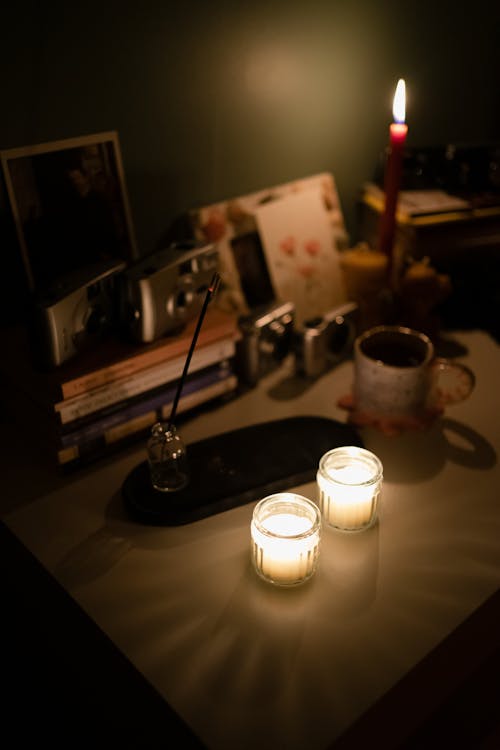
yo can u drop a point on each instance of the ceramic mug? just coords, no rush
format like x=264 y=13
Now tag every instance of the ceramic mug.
x=398 y=376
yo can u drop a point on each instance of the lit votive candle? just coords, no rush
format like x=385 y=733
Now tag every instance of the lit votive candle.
x=349 y=482
x=285 y=533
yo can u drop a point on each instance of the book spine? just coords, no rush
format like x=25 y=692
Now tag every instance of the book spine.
x=127 y=430
x=215 y=328
x=98 y=426
x=144 y=380
x=190 y=401
x=138 y=400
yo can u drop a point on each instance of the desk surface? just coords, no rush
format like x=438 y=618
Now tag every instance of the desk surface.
x=245 y=664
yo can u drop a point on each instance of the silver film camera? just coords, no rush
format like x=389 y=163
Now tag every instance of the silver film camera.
x=267 y=335
x=162 y=292
x=76 y=311
x=323 y=342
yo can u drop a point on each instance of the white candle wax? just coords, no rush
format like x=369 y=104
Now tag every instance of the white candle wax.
x=349 y=484
x=285 y=543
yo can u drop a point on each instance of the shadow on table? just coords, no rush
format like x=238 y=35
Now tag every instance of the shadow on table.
x=347 y=573
x=417 y=456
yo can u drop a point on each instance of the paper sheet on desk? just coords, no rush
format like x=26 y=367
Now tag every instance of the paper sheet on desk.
x=421 y=202
x=429 y=201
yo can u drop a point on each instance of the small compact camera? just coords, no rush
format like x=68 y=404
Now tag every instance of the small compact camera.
x=76 y=311
x=267 y=335
x=162 y=292
x=323 y=342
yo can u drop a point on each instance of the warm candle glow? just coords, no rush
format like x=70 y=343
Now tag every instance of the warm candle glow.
x=349 y=481
x=285 y=533
x=399 y=102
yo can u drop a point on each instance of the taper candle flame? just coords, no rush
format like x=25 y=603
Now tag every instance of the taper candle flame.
x=399 y=102
x=397 y=131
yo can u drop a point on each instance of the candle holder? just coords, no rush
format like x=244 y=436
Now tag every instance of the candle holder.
x=166 y=451
x=349 y=480
x=285 y=532
x=167 y=458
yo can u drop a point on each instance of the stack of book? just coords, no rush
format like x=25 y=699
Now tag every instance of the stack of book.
x=113 y=393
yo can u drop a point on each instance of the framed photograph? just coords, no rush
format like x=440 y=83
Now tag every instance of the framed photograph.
x=281 y=243
x=70 y=206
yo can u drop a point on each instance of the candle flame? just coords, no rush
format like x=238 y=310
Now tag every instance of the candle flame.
x=399 y=103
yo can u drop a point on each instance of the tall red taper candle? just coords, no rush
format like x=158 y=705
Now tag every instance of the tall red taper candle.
x=392 y=179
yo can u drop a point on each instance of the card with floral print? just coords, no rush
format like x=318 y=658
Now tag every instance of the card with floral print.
x=254 y=272
x=302 y=257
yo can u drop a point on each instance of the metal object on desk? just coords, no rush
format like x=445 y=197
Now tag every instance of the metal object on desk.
x=164 y=291
x=267 y=335
x=323 y=342
x=76 y=311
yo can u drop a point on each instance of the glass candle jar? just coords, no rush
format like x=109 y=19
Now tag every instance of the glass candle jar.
x=167 y=458
x=349 y=482
x=285 y=532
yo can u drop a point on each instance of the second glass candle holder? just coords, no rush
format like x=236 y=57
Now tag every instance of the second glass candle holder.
x=349 y=482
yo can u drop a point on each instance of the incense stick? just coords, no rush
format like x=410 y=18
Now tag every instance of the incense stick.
x=212 y=289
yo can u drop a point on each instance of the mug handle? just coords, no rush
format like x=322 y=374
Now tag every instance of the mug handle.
x=453 y=382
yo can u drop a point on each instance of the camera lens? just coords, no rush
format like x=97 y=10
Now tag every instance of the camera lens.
x=276 y=342
x=181 y=300
x=95 y=320
x=178 y=306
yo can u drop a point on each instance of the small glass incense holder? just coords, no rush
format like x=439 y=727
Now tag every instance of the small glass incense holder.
x=167 y=458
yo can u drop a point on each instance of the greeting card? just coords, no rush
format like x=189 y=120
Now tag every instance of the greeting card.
x=301 y=253
x=293 y=256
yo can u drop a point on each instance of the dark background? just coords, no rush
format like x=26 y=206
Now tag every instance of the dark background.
x=216 y=99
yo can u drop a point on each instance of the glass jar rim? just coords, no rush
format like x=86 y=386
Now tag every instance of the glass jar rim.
x=287 y=499
x=366 y=458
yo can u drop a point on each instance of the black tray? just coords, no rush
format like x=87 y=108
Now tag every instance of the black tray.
x=238 y=467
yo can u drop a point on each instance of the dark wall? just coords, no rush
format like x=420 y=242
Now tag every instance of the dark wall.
x=215 y=99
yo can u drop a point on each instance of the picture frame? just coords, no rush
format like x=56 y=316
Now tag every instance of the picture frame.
x=280 y=243
x=70 y=206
